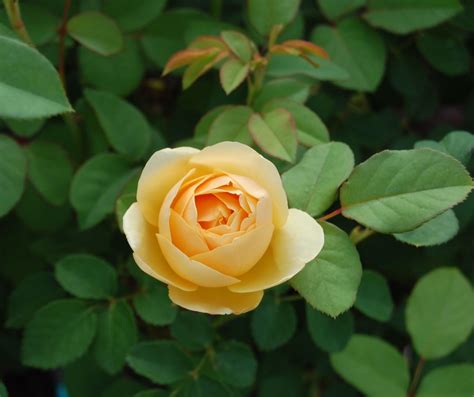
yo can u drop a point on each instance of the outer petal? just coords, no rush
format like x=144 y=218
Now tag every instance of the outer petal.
x=294 y=245
x=147 y=253
x=241 y=254
x=161 y=172
x=215 y=300
x=239 y=159
x=191 y=270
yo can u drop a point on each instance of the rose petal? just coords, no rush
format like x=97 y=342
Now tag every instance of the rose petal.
x=294 y=245
x=161 y=172
x=147 y=253
x=192 y=270
x=241 y=254
x=215 y=300
x=239 y=159
x=186 y=238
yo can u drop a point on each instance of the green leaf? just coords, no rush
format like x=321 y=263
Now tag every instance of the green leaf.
x=239 y=44
x=152 y=393
x=396 y=191
x=454 y=381
x=232 y=74
x=204 y=124
x=127 y=65
x=135 y=15
x=289 y=88
x=202 y=386
x=356 y=48
x=235 y=363
x=96 y=31
x=406 y=16
x=372 y=366
x=436 y=231
x=273 y=323
x=335 y=9
x=459 y=144
x=309 y=127
x=231 y=124
x=439 y=312
x=42 y=25
x=24 y=128
x=329 y=334
x=124 y=125
x=32 y=293
x=59 y=333
x=121 y=206
x=445 y=53
x=329 y=282
x=154 y=306
x=160 y=361
x=50 y=171
x=116 y=334
x=264 y=14
x=3 y=390
x=373 y=297
x=193 y=330
x=275 y=133
x=12 y=172
x=313 y=183
x=86 y=276
x=96 y=185
x=29 y=85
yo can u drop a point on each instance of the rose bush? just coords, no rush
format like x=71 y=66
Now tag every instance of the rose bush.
x=215 y=226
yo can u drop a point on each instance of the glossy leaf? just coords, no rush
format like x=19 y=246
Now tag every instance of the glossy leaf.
x=455 y=380
x=193 y=330
x=231 y=124
x=264 y=14
x=235 y=363
x=373 y=297
x=232 y=74
x=239 y=44
x=154 y=306
x=336 y=9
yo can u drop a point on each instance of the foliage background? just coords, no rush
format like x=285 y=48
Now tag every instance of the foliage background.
x=409 y=80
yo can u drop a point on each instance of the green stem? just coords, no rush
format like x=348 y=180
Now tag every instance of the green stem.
x=359 y=234
x=12 y=8
x=416 y=377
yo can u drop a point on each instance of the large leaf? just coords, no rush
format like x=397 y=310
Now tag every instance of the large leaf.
x=96 y=31
x=357 y=48
x=312 y=184
x=275 y=133
x=59 y=333
x=439 y=312
x=96 y=186
x=86 y=276
x=154 y=306
x=50 y=171
x=454 y=381
x=116 y=334
x=264 y=14
x=405 y=16
x=131 y=16
x=372 y=366
x=396 y=191
x=124 y=125
x=29 y=84
x=335 y=9
x=373 y=297
x=235 y=363
x=161 y=361
x=329 y=283
x=193 y=330
x=12 y=172
x=230 y=124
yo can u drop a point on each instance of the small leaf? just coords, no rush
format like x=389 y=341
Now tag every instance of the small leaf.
x=239 y=44
x=50 y=171
x=24 y=128
x=305 y=48
x=372 y=366
x=193 y=330
x=39 y=95
x=12 y=172
x=231 y=124
x=454 y=381
x=154 y=306
x=161 y=361
x=329 y=334
x=373 y=297
x=59 y=333
x=185 y=57
x=200 y=66
x=133 y=16
x=329 y=282
x=116 y=334
x=124 y=125
x=459 y=144
x=289 y=88
x=204 y=124
x=396 y=191
x=96 y=31
x=439 y=312
x=313 y=183
x=336 y=9
x=86 y=276
x=436 y=231
x=235 y=363
x=264 y=14
x=232 y=74
x=275 y=133
x=273 y=323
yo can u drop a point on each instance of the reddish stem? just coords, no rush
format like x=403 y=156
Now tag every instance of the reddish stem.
x=62 y=37
x=330 y=215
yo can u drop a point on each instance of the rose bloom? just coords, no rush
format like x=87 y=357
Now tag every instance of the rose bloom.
x=214 y=225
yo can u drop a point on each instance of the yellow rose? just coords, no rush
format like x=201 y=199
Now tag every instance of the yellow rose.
x=215 y=226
